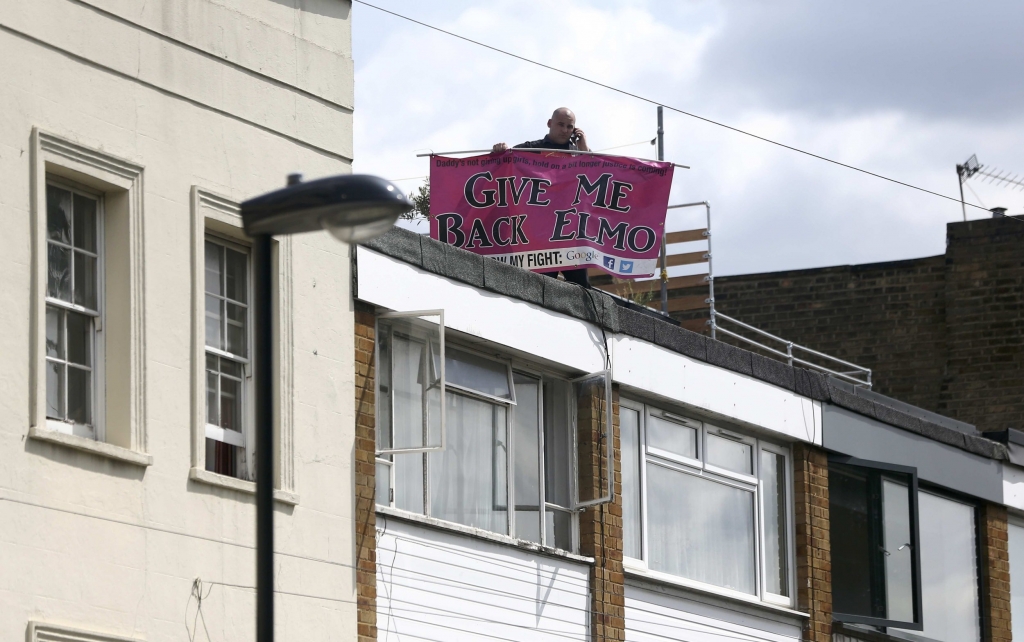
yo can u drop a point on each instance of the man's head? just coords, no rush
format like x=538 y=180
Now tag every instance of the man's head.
x=561 y=125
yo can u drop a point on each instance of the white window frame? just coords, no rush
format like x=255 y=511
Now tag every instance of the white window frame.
x=700 y=468
x=215 y=215
x=95 y=430
x=415 y=314
x=122 y=408
x=512 y=365
x=243 y=438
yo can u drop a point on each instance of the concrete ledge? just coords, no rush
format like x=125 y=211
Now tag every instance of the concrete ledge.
x=241 y=485
x=84 y=444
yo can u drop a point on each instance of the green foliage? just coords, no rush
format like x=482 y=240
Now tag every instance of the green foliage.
x=421 y=203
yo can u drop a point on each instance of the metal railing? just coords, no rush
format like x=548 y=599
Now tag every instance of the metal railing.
x=857 y=375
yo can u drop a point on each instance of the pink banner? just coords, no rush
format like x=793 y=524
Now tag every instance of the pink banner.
x=547 y=211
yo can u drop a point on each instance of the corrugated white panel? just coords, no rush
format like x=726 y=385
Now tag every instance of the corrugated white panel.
x=435 y=585
x=656 y=617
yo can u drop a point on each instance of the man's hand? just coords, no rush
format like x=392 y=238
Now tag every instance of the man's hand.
x=498 y=148
x=581 y=140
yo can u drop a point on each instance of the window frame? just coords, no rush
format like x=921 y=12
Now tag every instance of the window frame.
x=97 y=429
x=915 y=532
x=248 y=414
x=700 y=468
x=218 y=215
x=513 y=366
x=442 y=386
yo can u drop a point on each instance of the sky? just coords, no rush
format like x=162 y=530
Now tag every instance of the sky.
x=906 y=89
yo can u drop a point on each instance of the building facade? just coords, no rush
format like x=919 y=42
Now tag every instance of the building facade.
x=130 y=133
x=545 y=462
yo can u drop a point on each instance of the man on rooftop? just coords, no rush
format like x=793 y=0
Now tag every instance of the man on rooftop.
x=562 y=134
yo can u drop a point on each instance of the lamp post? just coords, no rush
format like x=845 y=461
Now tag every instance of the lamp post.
x=354 y=208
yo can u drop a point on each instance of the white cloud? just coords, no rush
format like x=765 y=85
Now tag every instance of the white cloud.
x=773 y=209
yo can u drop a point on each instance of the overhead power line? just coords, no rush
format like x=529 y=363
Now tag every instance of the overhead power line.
x=655 y=102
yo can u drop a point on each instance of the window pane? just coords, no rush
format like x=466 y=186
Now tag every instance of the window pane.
x=213 y=322
x=729 y=454
x=213 y=269
x=557 y=444
x=526 y=448
x=469 y=474
x=672 y=437
x=85 y=280
x=702 y=530
x=407 y=385
x=79 y=339
x=212 y=407
x=236 y=278
x=58 y=214
x=54 y=332
x=854 y=563
x=224 y=459
x=476 y=373
x=409 y=482
x=558 y=529
x=629 y=429
x=230 y=402
x=899 y=583
x=231 y=368
x=382 y=479
x=776 y=549
x=85 y=223
x=1017 y=585
x=79 y=395
x=54 y=390
x=58 y=272
x=949 y=579
x=236 y=340
x=383 y=428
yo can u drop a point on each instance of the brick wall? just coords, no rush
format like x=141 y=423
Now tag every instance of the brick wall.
x=984 y=382
x=601 y=526
x=813 y=550
x=365 y=447
x=945 y=333
x=995 y=573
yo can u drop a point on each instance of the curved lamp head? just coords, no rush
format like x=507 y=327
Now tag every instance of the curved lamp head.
x=352 y=207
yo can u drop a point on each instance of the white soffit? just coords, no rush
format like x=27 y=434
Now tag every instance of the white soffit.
x=655 y=370
x=531 y=329
x=398 y=286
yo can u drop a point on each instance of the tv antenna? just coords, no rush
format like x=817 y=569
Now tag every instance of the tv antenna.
x=969 y=168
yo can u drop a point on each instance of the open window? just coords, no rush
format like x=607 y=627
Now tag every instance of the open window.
x=876 y=567
x=411 y=382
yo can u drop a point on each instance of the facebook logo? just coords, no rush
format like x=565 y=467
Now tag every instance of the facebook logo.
x=609 y=262
x=625 y=266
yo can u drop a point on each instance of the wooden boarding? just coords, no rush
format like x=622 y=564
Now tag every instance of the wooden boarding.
x=685 y=303
x=637 y=287
x=686 y=236
x=688 y=258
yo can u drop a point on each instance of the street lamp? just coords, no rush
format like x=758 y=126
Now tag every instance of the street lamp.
x=354 y=208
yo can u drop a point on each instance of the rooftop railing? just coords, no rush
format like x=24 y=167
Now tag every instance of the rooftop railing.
x=793 y=353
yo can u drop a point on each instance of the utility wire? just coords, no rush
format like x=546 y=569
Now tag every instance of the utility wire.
x=668 y=107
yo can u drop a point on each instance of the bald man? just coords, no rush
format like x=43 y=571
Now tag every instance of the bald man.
x=562 y=134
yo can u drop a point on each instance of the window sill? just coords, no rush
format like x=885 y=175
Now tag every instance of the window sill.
x=476 y=533
x=223 y=481
x=91 y=446
x=660 y=581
